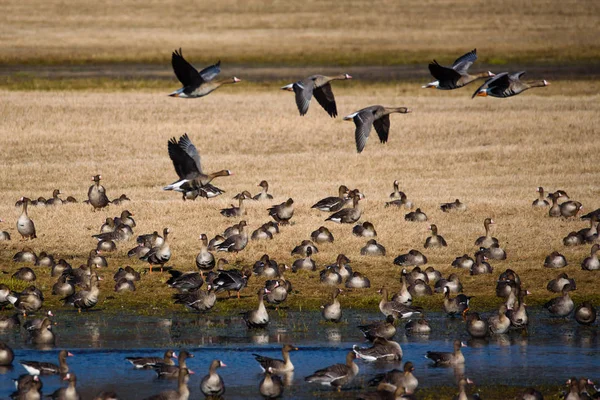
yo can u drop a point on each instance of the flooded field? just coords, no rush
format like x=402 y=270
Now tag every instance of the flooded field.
x=549 y=353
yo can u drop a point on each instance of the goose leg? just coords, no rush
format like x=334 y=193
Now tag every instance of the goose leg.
x=150 y=268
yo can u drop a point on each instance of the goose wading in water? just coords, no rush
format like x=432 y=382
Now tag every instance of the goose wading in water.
x=507 y=85
x=336 y=375
x=212 y=385
x=277 y=366
x=196 y=84
x=377 y=116
x=187 y=164
x=318 y=86
x=455 y=77
x=447 y=358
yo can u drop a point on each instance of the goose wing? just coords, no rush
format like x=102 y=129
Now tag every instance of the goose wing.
x=382 y=127
x=462 y=63
x=185 y=157
x=449 y=76
x=209 y=73
x=499 y=81
x=185 y=72
x=363 y=120
x=304 y=92
x=324 y=96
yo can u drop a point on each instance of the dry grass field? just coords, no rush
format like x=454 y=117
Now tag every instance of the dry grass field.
x=380 y=32
x=490 y=153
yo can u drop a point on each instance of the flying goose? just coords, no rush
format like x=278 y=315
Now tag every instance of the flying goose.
x=97 y=194
x=507 y=85
x=455 y=77
x=320 y=87
x=196 y=84
x=368 y=117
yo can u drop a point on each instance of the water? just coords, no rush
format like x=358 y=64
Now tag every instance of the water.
x=552 y=351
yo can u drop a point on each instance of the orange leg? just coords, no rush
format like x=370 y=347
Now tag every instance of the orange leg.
x=150 y=268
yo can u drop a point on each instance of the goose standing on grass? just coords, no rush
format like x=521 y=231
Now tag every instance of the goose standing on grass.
x=332 y=311
x=188 y=167
x=263 y=195
x=333 y=203
x=348 y=215
x=68 y=393
x=277 y=366
x=97 y=194
x=282 y=213
x=368 y=117
x=47 y=368
x=182 y=392
x=232 y=279
x=235 y=243
x=318 y=86
x=455 y=77
x=555 y=260
x=541 y=201
x=196 y=84
x=336 y=375
x=159 y=255
x=570 y=208
x=507 y=85
x=446 y=358
x=84 y=299
x=25 y=225
x=212 y=385
x=205 y=260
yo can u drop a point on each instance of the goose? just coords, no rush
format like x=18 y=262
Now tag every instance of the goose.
x=348 y=215
x=365 y=230
x=214 y=243
x=433 y=275
x=106 y=245
x=383 y=329
x=25 y=225
x=476 y=327
x=261 y=233
x=282 y=213
x=80 y=276
x=573 y=239
x=398 y=310
x=541 y=201
x=561 y=306
x=36 y=323
x=506 y=85
x=382 y=350
x=29 y=300
x=322 y=235
x=63 y=287
x=6 y=354
x=595 y=213
x=412 y=258
x=159 y=255
x=4 y=293
x=396 y=194
x=402 y=201
x=127 y=273
x=487 y=240
x=184 y=281
x=499 y=323
x=186 y=161
x=336 y=375
x=414 y=274
x=368 y=117
x=332 y=311
x=44 y=334
x=403 y=296
x=55 y=200
x=266 y=267
x=24 y=274
x=84 y=299
x=494 y=252
x=555 y=260
x=372 y=248
x=263 y=195
x=419 y=327
x=462 y=390
x=182 y=392
x=196 y=84
x=518 y=314
x=232 y=279
x=419 y=288
x=570 y=208
x=573 y=390
x=212 y=385
x=302 y=248
x=272 y=227
x=46 y=368
x=126 y=218
x=96 y=260
x=435 y=241
x=124 y=285
x=590 y=234
x=172 y=371
x=150 y=240
x=120 y=200
x=9 y=322
x=197 y=300
x=306 y=263
x=554 y=210
x=456 y=76
x=320 y=87
x=445 y=358
x=277 y=366
x=27 y=255
x=149 y=362
x=585 y=313
x=341 y=266
x=330 y=276
x=205 y=260
x=358 y=281
x=384 y=392
x=457 y=305
x=333 y=203
x=68 y=393
x=97 y=194
x=416 y=216
x=456 y=205
x=122 y=233
x=591 y=263
x=557 y=285
x=45 y=260
x=396 y=378
x=278 y=290
x=271 y=386
x=481 y=266
x=3 y=234
x=258 y=318
x=239 y=211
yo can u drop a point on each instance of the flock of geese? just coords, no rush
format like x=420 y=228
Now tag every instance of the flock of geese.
x=79 y=287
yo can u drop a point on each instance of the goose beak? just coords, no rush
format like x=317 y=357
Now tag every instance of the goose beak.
x=236 y=80
x=546 y=83
x=289 y=87
x=69 y=354
x=482 y=93
x=348 y=76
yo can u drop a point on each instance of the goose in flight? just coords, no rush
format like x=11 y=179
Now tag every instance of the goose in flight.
x=377 y=116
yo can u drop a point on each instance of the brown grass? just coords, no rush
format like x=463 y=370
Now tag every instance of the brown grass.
x=309 y=32
x=490 y=153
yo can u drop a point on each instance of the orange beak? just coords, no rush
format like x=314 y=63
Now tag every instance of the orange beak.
x=482 y=93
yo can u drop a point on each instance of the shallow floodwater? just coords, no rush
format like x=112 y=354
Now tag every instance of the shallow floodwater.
x=551 y=351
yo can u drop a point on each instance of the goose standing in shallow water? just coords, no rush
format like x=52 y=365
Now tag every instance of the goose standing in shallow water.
x=332 y=311
x=182 y=392
x=148 y=362
x=377 y=116
x=455 y=77
x=396 y=309
x=277 y=366
x=258 y=318
x=196 y=84
x=445 y=358
x=46 y=368
x=336 y=375
x=6 y=354
x=384 y=329
x=25 y=225
x=563 y=305
x=320 y=87
x=507 y=85
x=68 y=393
x=212 y=385
x=382 y=350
